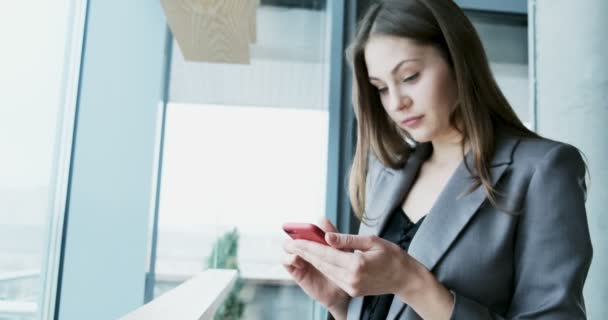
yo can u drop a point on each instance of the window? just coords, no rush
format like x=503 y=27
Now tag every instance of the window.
x=36 y=66
x=245 y=150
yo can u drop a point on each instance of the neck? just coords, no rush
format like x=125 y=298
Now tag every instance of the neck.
x=447 y=148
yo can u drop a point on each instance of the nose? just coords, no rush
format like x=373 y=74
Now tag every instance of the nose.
x=397 y=100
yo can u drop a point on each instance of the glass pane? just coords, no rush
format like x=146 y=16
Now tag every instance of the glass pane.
x=34 y=36
x=245 y=150
x=505 y=39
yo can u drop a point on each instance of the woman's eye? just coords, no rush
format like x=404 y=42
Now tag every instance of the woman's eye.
x=410 y=78
x=382 y=90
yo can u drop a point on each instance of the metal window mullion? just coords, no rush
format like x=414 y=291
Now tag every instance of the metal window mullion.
x=50 y=272
x=151 y=274
x=342 y=16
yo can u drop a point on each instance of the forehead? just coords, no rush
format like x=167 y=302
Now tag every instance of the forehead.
x=382 y=53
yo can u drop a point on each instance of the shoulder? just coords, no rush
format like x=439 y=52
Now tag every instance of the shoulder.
x=374 y=169
x=547 y=164
x=542 y=153
x=538 y=166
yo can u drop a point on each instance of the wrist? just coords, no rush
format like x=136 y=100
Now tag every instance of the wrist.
x=426 y=295
x=415 y=284
x=339 y=309
x=338 y=314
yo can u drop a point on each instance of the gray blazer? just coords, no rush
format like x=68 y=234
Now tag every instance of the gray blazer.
x=498 y=266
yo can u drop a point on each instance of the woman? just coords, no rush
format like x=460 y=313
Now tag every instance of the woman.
x=466 y=214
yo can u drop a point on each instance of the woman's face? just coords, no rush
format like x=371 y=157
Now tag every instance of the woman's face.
x=415 y=85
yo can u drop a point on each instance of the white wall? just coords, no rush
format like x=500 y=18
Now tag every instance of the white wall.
x=572 y=106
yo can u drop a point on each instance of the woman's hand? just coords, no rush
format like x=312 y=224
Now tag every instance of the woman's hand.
x=312 y=281
x=376 y=267
x=331 y=273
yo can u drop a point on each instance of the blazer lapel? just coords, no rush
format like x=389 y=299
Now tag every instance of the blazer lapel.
x=450 y=214
x=392 y=185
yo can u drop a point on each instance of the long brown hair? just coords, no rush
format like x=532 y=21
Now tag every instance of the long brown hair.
x=481 y=106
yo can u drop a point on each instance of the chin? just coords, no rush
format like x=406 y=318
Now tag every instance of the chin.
x=421 y=136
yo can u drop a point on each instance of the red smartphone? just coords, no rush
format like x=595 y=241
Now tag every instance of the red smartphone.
x=306 y=231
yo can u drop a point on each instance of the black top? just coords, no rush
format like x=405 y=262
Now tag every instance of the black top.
x=400 y=230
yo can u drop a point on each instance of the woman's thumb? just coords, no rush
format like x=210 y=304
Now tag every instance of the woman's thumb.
x=326 y=225
x=349 y=241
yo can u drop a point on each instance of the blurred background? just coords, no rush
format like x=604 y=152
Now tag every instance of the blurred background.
x=132 y=162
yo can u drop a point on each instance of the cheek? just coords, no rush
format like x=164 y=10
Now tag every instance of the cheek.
x=384 y=100
x=440 y=98
x=446 y=90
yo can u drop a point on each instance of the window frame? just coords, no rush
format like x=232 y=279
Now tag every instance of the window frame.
x=101 y=269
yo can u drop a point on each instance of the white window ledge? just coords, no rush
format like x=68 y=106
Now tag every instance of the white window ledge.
x=197 y=298
x=17 y=309
x=19 y=275
x=250 y=273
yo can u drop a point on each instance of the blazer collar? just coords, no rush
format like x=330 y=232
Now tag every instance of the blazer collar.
x=448 y=216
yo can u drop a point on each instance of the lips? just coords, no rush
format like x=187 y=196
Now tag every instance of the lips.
x=411 y=119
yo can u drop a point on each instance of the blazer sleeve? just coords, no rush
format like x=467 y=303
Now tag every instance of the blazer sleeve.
x=552 y=248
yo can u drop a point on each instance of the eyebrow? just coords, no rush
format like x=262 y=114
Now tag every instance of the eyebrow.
x=396 y=67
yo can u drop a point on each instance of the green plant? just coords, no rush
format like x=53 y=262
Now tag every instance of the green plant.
x=224 y=256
